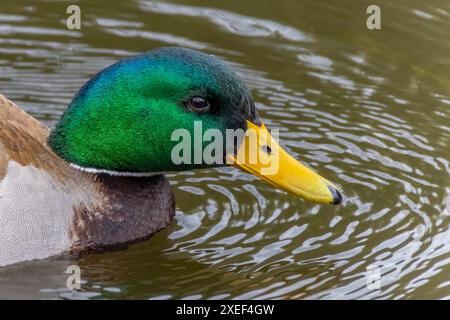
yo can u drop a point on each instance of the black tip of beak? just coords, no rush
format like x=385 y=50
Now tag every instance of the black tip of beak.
x=337 y=196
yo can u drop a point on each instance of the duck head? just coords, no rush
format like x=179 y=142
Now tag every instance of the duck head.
x=123 y=121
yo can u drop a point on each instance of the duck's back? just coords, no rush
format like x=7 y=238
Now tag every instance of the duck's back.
x=47 y=207
x=33 y=225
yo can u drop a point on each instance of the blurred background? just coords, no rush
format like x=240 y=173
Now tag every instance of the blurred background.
x=369 y=109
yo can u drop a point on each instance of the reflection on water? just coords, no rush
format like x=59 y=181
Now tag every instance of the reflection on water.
x=369 y=108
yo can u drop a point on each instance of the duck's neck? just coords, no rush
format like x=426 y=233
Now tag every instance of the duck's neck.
x=130 y=209
x=114 y=173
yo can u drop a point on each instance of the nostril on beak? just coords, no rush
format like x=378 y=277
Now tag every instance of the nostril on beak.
x=266 y=149
x=337 y=196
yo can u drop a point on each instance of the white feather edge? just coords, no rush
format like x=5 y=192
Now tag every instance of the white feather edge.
x=114 y=173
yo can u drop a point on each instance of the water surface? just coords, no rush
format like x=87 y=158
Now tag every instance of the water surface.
x=368 y=109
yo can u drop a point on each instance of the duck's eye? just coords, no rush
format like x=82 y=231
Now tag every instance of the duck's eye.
x=198 y=104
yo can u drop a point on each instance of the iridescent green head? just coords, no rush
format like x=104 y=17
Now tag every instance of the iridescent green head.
x=122 y=122
x=123 y=118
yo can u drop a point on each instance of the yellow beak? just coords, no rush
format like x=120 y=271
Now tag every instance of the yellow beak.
x=262 y=156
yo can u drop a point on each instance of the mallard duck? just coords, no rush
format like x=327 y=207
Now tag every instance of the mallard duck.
x=96 y=181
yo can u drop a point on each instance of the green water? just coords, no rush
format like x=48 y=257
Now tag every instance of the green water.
x=368 y=109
